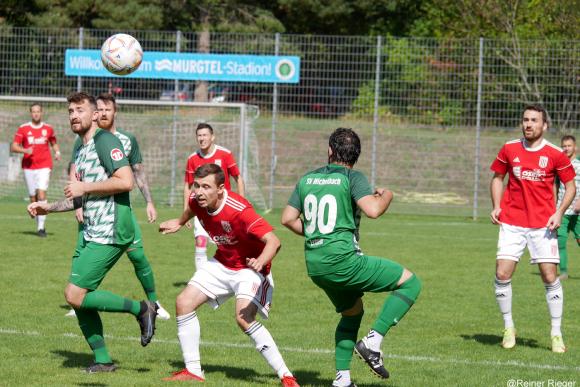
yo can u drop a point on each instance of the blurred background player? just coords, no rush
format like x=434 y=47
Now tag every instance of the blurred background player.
x=325 y=208
x=527 y=216
x=246 y=245
x=570 y=218
x=207 y=153
x=33 y=139
x=107 y=108
x=104 y=180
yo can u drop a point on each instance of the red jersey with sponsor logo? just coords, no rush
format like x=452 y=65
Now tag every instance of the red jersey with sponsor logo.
x=528 y=200
x=235 y=228
x=38 y=138
x=220 y=156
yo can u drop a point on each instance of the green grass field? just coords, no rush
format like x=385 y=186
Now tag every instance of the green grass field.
x=450 y=338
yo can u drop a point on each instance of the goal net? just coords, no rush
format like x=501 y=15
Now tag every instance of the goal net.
x=165 y=132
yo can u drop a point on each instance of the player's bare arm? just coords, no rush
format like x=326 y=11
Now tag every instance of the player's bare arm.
x=56 y=150
x=291 y=220
x=496 y=190
x=40 y=208
x=174 y=225
x=120 y=181
x=240 y=183
x=375 y=205
x=143 y=184
x=268 y=253
x=570 y=192
x=17 y=148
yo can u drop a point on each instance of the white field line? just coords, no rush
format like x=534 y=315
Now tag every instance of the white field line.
x=414 y=359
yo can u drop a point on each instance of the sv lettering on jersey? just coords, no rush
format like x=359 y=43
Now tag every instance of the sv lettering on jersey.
x=321 y=181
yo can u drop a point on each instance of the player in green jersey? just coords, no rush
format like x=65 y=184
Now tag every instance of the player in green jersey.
x=107 y=108
x=570 y=218
x=104 y=180
x=325 y=208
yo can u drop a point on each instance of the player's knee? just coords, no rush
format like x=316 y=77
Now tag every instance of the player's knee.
x=183 y=304
x=73 y=297
x=502 y=274
x=137 y=258
x=411 y=288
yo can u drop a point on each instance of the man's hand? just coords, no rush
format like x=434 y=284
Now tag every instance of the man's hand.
x=254 y=264
x=74 y=189
x=57 y=156
x=495 y=215
x=37 y=208
x=554 y=222
x=28 y=151
x=151 y=212
x=79 y=215
x=169 y=226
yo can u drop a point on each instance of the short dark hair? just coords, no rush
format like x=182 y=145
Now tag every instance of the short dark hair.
x=80 y=97
x=538 y=108
x=204 y=125
x=211 y=169
x=35 y=104
x=345 y=146
x=108 y=97
x=568 y=137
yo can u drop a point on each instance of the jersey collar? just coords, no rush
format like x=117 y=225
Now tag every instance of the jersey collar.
x=526 y=147
x=210 y=154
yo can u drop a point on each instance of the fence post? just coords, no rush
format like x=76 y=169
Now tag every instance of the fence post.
x=478 y=131
x=81 y=43
x=273 y=159
x=376 y=112
x=174 y=129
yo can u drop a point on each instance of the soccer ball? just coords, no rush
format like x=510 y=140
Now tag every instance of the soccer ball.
x=121 y=54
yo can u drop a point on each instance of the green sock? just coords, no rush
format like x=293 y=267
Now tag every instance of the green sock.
x=144 y=272
x=562 y=241
x=105 y=301
x=397 y=305
x=92 y=328
x=345 y=339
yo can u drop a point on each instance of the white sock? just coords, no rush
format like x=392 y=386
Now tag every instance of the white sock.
x=40 y=219
x=267 y=347
x=374 y=340
x=188 y=333
x=200 y=256
x=342 y=378
x=555 y=299
x=503 y=296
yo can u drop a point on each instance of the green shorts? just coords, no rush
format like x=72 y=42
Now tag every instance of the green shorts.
x=569 y=224
x=359 y=274
x=92 y=261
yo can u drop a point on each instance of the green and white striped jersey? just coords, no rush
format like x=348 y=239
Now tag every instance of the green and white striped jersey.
x=130 y=146
x=561 y=189
x=107 y=219
x=327 y=198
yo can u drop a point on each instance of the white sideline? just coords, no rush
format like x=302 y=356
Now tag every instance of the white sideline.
x=416 y=359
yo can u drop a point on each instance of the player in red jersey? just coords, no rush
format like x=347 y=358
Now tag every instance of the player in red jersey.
x=246 y=245
x=208 y=152
x=33 y=140
x=528 y=216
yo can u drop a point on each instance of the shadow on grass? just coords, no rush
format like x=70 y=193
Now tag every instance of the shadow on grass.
x=304 y=377
x=33 y=233
x=496 y=340
x=75 y=359
x=179 y=284
x=575 y=278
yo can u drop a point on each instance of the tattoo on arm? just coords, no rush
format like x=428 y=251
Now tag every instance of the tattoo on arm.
x=141 y=180
x=61 y=206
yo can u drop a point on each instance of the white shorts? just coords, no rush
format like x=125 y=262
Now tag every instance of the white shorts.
x=36 y=179
x=220 y=283
x=198 y=229
x=542 y=244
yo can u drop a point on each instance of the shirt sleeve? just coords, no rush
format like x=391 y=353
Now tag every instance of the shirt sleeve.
x=233 y=169
x=135 y=156
x=500 y=164
x=564 y=168
x=52 y=136
x=110 y=151
x=18 y=137
x=359 y=186
x=255 y=225
x=294 y=200
x=189 y=172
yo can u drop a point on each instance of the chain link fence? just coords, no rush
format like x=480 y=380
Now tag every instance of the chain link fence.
x=432 y=113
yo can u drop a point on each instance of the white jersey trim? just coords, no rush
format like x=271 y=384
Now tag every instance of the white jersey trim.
x=221 y=207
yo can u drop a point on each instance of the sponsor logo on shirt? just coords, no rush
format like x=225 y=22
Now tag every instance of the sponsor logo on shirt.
x=117 y=154
x=535 y=175
x=224 y=240
x=44 y=132
x=543 y=163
